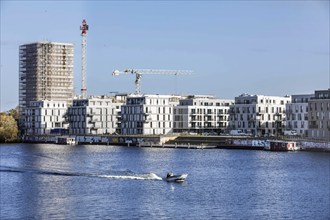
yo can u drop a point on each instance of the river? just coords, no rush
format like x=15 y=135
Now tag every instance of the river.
x=46 y=181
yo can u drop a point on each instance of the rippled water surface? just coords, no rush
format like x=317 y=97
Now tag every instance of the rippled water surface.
x=111 y=182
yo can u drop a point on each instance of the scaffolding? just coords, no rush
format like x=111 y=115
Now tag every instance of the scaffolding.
x=45 y=73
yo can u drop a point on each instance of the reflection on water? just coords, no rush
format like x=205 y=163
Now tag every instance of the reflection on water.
x=78 y=182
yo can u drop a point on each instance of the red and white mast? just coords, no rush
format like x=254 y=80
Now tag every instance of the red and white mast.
x=83 y=28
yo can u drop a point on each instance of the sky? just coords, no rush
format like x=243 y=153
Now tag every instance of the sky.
x=257 y=47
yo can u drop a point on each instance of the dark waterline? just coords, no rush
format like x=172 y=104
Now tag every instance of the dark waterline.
x=42 y=181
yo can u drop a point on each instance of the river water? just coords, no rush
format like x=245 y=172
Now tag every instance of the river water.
x=45 y=181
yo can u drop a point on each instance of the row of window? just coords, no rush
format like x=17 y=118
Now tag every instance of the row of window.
x=296 y=124
x=139 y=110
x=321 y=106
x=188 y=103
x=182 y=111
x=99 y=125
x=249 y=110
x=254 y=125
x=296 y=108
x=135 y=124
x=147 y=101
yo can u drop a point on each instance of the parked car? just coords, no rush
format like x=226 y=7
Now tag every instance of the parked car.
x=290 y=133
x=236 y=133
x=269 y=135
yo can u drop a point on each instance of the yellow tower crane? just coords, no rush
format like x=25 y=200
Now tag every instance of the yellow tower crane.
x=139 y=72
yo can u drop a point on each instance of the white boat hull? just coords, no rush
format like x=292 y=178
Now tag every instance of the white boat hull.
x=176 y=178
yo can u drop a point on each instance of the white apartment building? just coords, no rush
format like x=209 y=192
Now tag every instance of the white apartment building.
x=45 y=73
x=259 y=114
x=94 y=115
x=202 y=114
x=297 y=114
x=148 y=114
x=319 y=115
x=45 y=117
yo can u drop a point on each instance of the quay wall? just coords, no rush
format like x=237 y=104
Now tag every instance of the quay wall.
x=228 y=142
x=97 y=139
x=301 y=144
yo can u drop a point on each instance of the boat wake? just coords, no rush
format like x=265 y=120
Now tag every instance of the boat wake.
x=148 y=176
x=128 y=175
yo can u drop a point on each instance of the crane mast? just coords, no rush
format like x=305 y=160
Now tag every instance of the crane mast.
x=139 y=72
x=84 y=29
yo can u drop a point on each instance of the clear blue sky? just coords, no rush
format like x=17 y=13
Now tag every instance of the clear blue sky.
x=233 y=47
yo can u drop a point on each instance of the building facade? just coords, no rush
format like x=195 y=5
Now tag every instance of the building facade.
x=45 y=73
x=94 y=115
x=46 y=117
x=319 y=115
x=148 y=115
x=202 y=114
x=297 y=114
x=259 y=115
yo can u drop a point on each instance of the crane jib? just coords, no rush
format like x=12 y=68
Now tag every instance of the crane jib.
x=139 y=72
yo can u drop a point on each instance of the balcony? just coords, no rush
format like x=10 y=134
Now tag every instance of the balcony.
x=313 y=126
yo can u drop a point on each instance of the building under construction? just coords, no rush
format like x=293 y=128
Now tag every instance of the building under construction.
x=45 y=73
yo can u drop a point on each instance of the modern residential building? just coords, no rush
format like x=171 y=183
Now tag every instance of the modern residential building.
x=148 y=114
x=258 y=114
x=202 y=114
x=95 y=115
x=46 y=117
x=319 y=115
x=297 y=114
x=45 y=73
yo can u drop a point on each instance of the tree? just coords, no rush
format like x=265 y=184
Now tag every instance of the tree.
x=13 y=112
x=8 y=128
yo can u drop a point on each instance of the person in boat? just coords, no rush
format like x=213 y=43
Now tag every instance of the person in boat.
x=169 y=174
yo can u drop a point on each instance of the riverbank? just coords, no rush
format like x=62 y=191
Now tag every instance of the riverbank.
x=181 y=141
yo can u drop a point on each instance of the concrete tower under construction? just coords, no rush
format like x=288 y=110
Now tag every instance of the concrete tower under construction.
x=45 y=73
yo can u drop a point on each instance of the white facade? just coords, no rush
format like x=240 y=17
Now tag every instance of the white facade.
x=259 y=114
x=45 y=117
x=148 y=115
x=297 y=114
x=319 y=115
x=95 y=115
x=202 y=114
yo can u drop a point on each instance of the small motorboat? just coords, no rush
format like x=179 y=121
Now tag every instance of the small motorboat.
x=170 y=177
